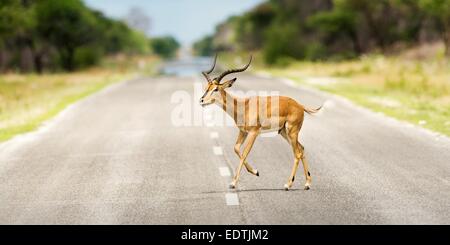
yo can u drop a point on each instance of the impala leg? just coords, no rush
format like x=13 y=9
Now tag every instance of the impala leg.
x=251 y=139
x=284 y=134
x=305 y=169
x=293 y=171
x=298 y=154
x=237 y=148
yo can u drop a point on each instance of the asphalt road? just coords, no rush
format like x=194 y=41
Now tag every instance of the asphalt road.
x=117 y=158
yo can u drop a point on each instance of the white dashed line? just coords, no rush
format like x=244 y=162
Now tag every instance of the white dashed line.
x=214 y=135
x=217 y=150
x=232 y=199
x=224 y=171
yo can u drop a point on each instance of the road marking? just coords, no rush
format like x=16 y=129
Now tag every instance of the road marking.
x=217 y=150
x=214 y=135
x=232 y=199
x=224 y=171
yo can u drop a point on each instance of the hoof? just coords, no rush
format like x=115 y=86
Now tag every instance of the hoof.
x=286 y=187
x=232 y=186
x=257 y=173
x=307 y=187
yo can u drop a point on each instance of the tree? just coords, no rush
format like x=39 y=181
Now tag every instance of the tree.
x=251 y=26
x=165 y=46
x=282 y=41
x=67 y=25
x=337 y=23
x=439 y=10
x=41 y=34
x=378 y=17
x=16 y=31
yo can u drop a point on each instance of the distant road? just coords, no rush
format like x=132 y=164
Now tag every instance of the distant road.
x=116 y=158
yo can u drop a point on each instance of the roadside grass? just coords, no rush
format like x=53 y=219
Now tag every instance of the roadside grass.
x=26 y=100
x=414 y=90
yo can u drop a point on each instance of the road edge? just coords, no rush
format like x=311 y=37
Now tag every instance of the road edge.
x=47 y=124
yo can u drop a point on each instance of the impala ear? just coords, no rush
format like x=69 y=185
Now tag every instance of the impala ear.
x=229 y=83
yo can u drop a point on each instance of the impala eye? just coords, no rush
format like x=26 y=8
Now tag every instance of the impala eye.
x=216 y=89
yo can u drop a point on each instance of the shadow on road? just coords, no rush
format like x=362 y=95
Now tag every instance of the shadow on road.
x=252 y=190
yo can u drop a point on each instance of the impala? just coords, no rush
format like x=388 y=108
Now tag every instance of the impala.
x=257 y=114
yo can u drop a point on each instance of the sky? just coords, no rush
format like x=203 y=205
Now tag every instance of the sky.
x=186 y=20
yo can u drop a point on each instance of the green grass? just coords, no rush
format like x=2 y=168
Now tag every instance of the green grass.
x=28 y=100
x=417 y=91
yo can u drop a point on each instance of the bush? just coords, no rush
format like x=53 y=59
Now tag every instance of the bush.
x=284 y=61
x=87 y=56
x=282 y=41
x=137 y=43
x=315 y=51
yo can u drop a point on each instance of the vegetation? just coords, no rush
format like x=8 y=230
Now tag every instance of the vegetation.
x=391 y=56
x=402 y=86
x=54 y=35
x=439 y=10
x=166 y=47
x=331 y=29
x=26 y=100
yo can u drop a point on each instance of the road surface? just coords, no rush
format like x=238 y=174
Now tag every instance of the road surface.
x=117 y=158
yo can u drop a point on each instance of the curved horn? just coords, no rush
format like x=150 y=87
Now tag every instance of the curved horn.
x=219 y=78
x=206 y=73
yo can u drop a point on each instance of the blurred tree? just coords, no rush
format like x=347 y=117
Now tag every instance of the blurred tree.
x=288 y=36
x=282 y=41
x=224 y=39
x=118 y=37
x=114 y=33
x=377 y=17
x=251 y=26
x=337 y=23
x=16 y=32
x=439 y=10
x=165 y=46
x=42 y=34
x=330 y=29
x=137 y=43
x=67 y=25
x=410 y=19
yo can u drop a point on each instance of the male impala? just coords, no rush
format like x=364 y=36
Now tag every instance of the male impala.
x=270 y=113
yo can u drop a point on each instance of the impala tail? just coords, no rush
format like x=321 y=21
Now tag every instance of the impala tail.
x=311 y=111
